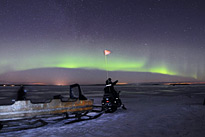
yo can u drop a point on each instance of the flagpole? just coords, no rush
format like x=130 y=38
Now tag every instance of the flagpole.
x=106 y=52
x=106 y=65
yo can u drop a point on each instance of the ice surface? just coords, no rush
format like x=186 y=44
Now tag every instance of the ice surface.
x=157 y=111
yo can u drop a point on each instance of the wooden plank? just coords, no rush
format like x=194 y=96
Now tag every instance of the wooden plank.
x=25 y=109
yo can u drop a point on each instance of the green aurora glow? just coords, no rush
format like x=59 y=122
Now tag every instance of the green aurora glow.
x=89 y=62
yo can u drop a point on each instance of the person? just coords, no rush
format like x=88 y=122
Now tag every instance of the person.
x=110 y=87
x=21 y=95
x=110 y=83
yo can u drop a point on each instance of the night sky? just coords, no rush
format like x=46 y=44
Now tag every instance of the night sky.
x=152 y=40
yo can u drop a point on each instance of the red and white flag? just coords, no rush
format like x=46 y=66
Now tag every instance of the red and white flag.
x=107 y=52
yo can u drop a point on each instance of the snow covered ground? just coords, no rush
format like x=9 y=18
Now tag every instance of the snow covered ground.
x=152 y=110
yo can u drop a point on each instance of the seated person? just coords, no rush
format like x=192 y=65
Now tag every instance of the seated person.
x=110 y=87
x=110 y=83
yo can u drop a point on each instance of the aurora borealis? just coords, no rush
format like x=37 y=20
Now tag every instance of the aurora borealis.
x=148 y=36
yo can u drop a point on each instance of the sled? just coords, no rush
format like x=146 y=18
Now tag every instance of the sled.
x=30 y=114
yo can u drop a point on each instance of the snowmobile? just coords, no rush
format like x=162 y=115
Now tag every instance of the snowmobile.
x=111 y=100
